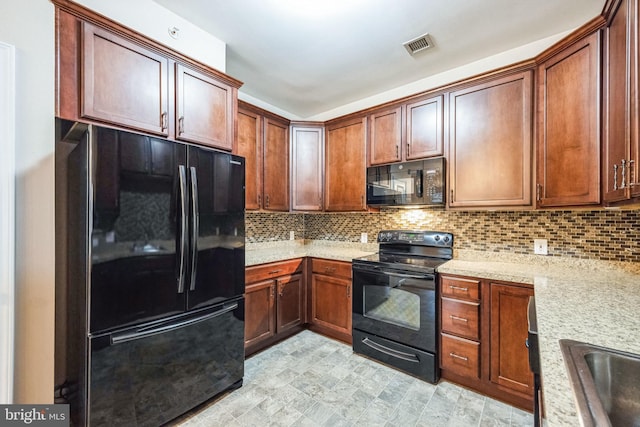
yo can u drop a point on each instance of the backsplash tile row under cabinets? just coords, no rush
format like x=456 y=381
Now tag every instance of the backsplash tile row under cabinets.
x=599 y=234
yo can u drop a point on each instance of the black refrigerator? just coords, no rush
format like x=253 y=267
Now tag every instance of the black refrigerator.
x=150 y=311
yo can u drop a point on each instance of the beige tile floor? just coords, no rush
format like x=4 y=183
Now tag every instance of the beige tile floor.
x=311 y=380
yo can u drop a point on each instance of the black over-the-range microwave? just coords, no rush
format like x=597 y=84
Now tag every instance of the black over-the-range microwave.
x=407 y=184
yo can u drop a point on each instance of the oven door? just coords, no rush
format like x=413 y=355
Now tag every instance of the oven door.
x=395 y=304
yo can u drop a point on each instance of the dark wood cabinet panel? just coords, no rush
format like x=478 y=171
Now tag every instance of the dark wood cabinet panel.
x=331 y=303
x=290 y=305
x=250 y=147
x=483 y=332
x=509 y=354
x=620 y=174
x=275 y=302
x=385 y=136
x=122 y=82
x=259 y=318
x=205 y=111
x=490 y=143
x=424 y=133
x=307 y=144
x=569 y=126
x=345 y=166
x=276 y=165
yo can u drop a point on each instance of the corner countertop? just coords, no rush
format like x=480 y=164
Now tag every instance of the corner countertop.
x=261 y=253
x=585 y=300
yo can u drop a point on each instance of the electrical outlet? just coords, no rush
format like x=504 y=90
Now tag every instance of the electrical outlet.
x=363 y=238
x=540 y=246
x=292 y=235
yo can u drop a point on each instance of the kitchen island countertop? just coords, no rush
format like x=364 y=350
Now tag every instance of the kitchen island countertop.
x=585 y=300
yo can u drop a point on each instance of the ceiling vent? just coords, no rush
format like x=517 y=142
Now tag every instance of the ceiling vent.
x=418 y=44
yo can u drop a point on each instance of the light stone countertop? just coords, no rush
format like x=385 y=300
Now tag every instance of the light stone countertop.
x=261 y=253
x=591 y=301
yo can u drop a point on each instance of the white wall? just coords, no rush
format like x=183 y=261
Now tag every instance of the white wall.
x=7 y=219
x=151 y=19
x=29 y=26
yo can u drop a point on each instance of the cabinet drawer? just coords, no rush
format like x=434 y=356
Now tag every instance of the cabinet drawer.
x=460 y=288
x=331 y=268
x=461 y=318
x=460 y=356
x=272 y=270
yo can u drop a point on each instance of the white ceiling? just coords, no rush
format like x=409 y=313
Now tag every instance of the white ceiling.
x=309 y=56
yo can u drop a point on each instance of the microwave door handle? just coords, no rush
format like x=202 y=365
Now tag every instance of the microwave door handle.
x=418 y=182
x=195 y=225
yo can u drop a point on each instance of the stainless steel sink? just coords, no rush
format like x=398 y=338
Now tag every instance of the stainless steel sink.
x=606 y=384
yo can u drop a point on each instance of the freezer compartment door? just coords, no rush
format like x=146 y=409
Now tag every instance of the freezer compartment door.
x=148 y=375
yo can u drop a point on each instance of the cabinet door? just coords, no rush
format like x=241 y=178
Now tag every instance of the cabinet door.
x=250 y=147
x=385 y=136
x=122 y=82
x=306 y=176
x=331 y=303
x=204 y=109
x=290 y=306
x=509 y=354
x=276 y=165
x=490 y=143
x=345 y=166
x=259 y=317
x=568 y=126
x=620 y=105
x=424 y=128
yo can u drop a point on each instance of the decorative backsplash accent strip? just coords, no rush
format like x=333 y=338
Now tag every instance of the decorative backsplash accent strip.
x=602 y=234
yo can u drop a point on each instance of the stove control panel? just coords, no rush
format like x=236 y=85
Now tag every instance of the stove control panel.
x=425 y=238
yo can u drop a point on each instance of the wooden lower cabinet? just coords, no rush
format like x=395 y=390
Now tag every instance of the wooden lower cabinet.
x=331 y=298
x=482 y=340
x=275 y=303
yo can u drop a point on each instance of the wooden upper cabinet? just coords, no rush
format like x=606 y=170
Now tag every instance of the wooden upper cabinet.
x=621 y=177
x=424 y=134
x=123 y=82
x=108 y=73
x=345 y=166
x=205 y=110
x=569 y=126
x=490 y=132
x=276 y=165
x=385 y=136
x=307 y=146
x=250 y=147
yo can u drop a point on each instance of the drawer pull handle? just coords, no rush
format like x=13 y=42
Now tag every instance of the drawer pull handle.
x=457 y=356
x=275 y=271
x=458 y=288
x=461 y=319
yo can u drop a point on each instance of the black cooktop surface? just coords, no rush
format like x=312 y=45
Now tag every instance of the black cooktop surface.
x=402 y=261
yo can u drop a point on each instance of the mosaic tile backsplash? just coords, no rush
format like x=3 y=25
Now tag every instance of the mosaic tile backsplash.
x=601 y=234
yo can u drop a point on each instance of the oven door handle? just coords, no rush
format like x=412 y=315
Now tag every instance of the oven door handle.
x=390 y=351
x=410 y=276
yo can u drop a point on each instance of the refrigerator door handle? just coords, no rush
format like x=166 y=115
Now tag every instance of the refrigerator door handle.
x=148 y=332
x=195 y=218
x=182 y=172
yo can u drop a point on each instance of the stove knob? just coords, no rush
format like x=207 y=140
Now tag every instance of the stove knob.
x=446 y=239
x=436 y=238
